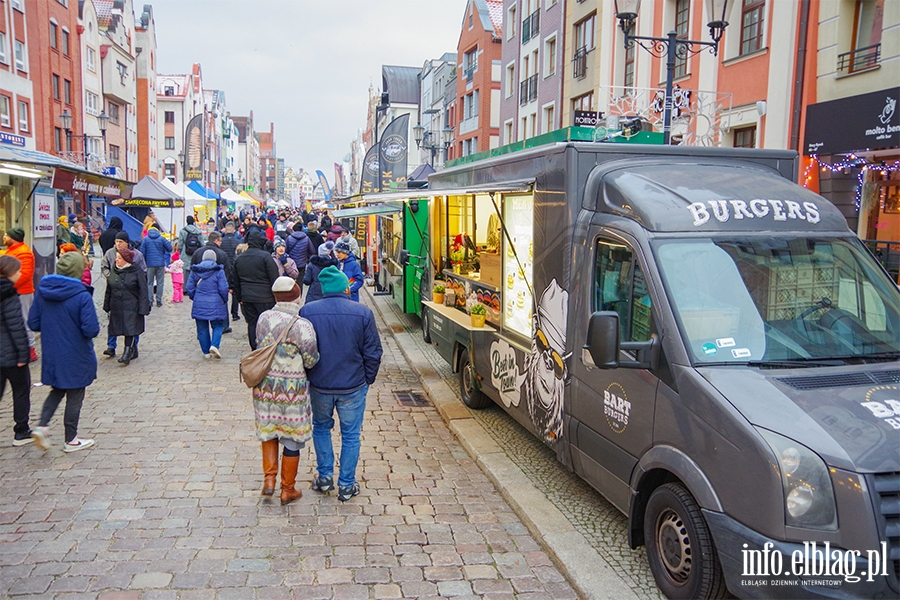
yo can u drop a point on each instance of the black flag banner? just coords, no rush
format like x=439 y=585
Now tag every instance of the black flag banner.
x=370 y=172
x=395 y=153
x=193 y=140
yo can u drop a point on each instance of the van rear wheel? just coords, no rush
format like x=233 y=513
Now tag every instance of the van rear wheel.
x=680 y=548
x=426 y=334
x=471 y=395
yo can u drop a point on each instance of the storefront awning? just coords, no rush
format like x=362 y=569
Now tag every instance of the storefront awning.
x=371 y=209
x=66 y=175
x=500 y=187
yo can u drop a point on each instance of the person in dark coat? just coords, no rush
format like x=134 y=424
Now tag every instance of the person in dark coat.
x=64 y=312
x=230 y=241
x=324 y=258
x=208 y=288
x=325 y=222
x=314 y=236
x=156 y=250
x=254 y=274
x=108 y=237
x=213 y=241
x=126 y=301
x=16 y=355
x=300 y=248
x=350 y=268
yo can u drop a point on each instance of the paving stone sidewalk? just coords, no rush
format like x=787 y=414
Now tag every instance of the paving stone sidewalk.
x=167 y=504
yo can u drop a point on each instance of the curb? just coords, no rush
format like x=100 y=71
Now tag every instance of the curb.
x=591 y=576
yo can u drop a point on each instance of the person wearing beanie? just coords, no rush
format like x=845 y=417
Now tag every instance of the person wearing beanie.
x=312 y=230
x=86 y=277
x=62 y=232
x=323 y=258
x=281 y=400
x=64 y=313
x=14 y=240
x=350 y=268
x=347 y=238
x=208 y=288
x=121 y=242
x=176 y=270
x=254 y=274
x=108 y=237
x=349 y=359
x=190 y=239
x=286 y=265
x=14 y=358
x=300 y=248
x=156 y=250
x=127 y=301
x=230 y=241
x=334 y=234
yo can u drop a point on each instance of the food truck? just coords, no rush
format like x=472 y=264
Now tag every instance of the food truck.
x=702 y=340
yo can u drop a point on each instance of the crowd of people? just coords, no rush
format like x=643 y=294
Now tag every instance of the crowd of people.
x=328 y=349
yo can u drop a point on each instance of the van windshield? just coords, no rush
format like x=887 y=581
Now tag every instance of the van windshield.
x=764 y=299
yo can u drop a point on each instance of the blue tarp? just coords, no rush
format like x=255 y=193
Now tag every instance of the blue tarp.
x=129 y=223
x=203 y=191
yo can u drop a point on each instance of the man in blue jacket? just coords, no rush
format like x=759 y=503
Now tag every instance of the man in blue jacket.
x=350 y=268
x=156 y=250
x=349 y=358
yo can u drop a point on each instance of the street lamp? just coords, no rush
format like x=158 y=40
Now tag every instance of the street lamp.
x=424 y=140
x=670 y=46
x=241 y=178
x=65 y=120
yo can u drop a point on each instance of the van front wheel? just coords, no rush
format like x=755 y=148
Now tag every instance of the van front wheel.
x=471 y=395
x=680 y=548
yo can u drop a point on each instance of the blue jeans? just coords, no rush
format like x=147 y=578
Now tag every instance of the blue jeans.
x=111 y=341
x=350 y=410
x=203 y=334
x=156 y=275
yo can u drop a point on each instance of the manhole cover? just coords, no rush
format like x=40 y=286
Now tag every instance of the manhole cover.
x=411 y=398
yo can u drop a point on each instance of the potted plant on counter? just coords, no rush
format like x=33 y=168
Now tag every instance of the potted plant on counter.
x=478 y=313
x=438 y=293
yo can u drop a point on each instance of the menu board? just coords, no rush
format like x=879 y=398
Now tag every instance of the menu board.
x=518 y=256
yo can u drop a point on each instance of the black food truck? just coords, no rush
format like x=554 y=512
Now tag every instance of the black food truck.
x=702 y=340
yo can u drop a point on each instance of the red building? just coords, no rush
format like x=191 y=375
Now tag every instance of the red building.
x=16 y=94
x=268 y=164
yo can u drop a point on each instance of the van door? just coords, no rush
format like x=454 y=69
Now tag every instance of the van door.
x=613 y=409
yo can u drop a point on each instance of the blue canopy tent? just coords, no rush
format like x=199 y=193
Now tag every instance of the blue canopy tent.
x=203 y=191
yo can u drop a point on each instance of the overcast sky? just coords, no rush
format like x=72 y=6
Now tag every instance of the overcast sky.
x=305 y=65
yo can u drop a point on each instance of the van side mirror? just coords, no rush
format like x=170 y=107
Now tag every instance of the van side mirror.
x=404 y=258
x=603 y=339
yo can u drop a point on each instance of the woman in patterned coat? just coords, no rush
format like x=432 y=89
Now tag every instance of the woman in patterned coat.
x=281 y=400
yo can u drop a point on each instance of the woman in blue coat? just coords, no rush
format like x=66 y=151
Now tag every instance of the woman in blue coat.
x=208 y=288
x=63 y=311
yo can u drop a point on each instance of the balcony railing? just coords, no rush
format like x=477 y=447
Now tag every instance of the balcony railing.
x=580 y=60
x=95 y=162
x=528 y=90
x=860 y=59
x=531 y=26
x=470 y=71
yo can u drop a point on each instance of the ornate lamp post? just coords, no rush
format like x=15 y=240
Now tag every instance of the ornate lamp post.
x=670 y=46
x=65 y=120
x=426 y=140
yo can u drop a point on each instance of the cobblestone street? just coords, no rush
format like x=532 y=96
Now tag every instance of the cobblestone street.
x=167 y=504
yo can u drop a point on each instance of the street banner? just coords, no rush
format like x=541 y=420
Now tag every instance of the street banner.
x=193 y=140
x=326 y=189
x=866 y=121
x=370 y=172
x=339 y=180
x=394 y=153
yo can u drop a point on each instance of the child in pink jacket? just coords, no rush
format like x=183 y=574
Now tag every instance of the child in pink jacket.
x=176 y=269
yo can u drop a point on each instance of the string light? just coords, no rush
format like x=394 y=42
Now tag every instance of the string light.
x=851 y=161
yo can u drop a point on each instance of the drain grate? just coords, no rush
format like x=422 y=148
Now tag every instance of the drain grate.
x=411 y=398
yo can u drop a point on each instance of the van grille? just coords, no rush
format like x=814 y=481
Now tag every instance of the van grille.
x=814 y=382
x=887 y=512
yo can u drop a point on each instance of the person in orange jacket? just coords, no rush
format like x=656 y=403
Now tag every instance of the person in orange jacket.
x=14 y=240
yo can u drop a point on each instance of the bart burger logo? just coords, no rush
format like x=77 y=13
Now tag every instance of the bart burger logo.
x=816 y=564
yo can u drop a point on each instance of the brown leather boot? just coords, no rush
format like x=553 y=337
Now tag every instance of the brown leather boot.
x=289 y=466
x=270 y=466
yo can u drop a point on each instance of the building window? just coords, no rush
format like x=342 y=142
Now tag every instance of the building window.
x=54 y=84
x=170 y=116
x=23 y=116
x=54 y=34
x=865 y=51
x=20 y=55
x=170 y=171
x=90 y=59
x=682 y=25
x=169 y=90
x=17 y=4
x=67 y=91
x=5 y=107
x=91 y=103
x=745 y=137
x=628 y=73
x=511 y=22
x=123 y=72
x=65 y=42
x=751 y=25
x=114 y=155
x=170 y=143
x=584 y=33
x=113 y=113
x=470 y=63
x=510 y=79
x=549 y=118
x=57 y=139
x=550 y=57
x=584 y=102
x=3 y=48
x=508 y=132
x=470 y=105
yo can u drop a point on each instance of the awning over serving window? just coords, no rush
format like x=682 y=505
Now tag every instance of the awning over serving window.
x=500 y=187
x=371 y=209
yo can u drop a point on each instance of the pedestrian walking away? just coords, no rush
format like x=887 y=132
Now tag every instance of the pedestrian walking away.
x=15 y=356
x=208 y=288
x=126 y=301
x=156 y=250
x=281 y=400
x=176 y=270
x=300 y=248
x=350 y=268
x=230 y=242
x=14 y=240
x=190 y=239
x=349 y=359
x=64 y=312
x=254 y=274
x=108 y=237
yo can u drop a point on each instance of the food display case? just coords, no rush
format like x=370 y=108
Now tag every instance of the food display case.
x=518 y=257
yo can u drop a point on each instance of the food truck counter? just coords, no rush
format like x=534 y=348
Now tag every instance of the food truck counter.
x=457 y=316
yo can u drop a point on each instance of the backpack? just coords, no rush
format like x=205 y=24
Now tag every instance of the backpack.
x=192 y=242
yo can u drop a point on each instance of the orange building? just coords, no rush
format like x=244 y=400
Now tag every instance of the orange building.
x=148 y=155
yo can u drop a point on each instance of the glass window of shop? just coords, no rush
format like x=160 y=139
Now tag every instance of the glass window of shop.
x=518 y=258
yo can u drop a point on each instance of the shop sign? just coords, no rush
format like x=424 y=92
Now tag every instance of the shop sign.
x=587 y=118
x=44 y=223
x=92 y=184
x=14 y=140
x=868 y=121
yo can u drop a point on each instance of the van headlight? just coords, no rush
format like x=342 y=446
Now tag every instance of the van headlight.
x=808 y=495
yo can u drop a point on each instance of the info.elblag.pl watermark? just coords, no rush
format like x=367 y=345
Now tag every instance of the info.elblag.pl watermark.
x=814 y=560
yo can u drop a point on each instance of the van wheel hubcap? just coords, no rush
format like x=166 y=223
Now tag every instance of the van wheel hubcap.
x=467 y=378
x=674 y=546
